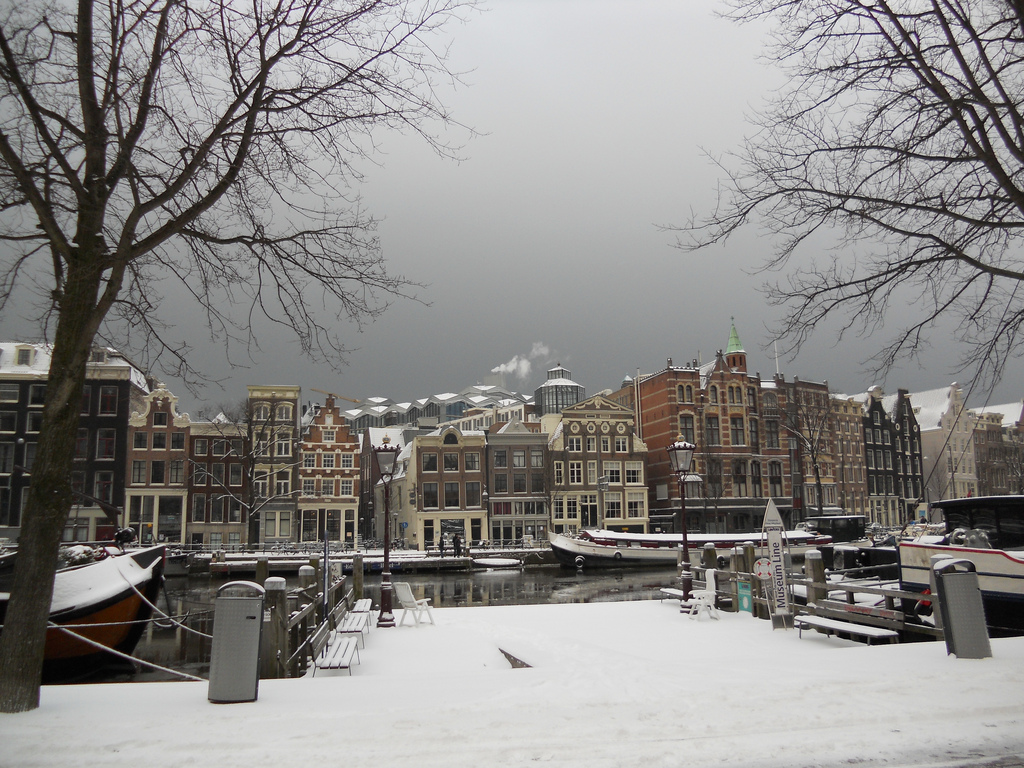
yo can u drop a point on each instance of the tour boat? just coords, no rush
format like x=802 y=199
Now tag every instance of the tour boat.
x=988 y=531
x=101 y=600
x=599 y=548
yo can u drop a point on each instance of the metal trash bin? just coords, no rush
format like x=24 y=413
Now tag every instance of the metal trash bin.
x=235 y=653
x=963 y=613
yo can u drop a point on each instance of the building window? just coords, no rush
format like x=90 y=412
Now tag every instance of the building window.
x=519 y=482
x=472 y=462
x=575 y=472
x=104 y=487
x=347 y=461
x=739 y=478
x=771 y=437
x=329 y=435
x=774 y=478
x=199 y=508
x=235 y=474
x=260 y=483
x=613 y=505
x=613 y=470
x=537 y=459
x=308 y=487
x=283 y=485
x=501 y=483
x=9 y=393
x=284 y=445
x=712 y=436
x=634 y=472
x=346 y=488
x=176 y=476
x=157 y=471
x=518 y=459
x=430 y=496
x=327 y=487
x=592 y=445
x=106 y=442
x=429 y=462
x=635 y=504
x=218 y=474
x=686 y=427
x=327 y=460
x=451 y=496
x=736 y=431
x=451 y=462
x=592 y=472
x=200 y=446
x=500 y=460
x=621 y=445
x=141 y=442
x=217 y=509
x=536 y=483
x=159 y=441
x=559 y=468
x=108 y=401
x=138 y=472
x=284 y=412
x=713 y=395
x=309 y=460
x=753 y=434
x=575 y=444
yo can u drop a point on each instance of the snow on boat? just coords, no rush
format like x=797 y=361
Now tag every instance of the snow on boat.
x=988 y=531
x=497 y=562
x=101 y=600
x=601 y=548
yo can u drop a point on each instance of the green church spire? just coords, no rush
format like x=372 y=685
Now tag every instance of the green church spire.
x=734 y=340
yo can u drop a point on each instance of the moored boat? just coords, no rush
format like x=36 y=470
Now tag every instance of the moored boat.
x=106 y=600
x=988 y=531
x=601 y=548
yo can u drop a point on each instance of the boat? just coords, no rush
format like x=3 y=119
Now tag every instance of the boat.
x=988 y=531
x=600 y=548
x=107 y=599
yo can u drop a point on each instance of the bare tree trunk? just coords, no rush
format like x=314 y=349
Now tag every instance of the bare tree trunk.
x=49 y=501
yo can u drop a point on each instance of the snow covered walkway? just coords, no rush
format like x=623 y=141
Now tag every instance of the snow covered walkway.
x=611 y=685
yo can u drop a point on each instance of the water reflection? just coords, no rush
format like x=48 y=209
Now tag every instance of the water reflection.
x=193 y=598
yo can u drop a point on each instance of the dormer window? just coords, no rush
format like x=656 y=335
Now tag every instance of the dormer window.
x=24 y=356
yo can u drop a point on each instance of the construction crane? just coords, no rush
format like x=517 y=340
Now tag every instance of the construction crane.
x=336 y=397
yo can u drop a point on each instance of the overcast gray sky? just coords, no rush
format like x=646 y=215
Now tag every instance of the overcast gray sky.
x=542 y=244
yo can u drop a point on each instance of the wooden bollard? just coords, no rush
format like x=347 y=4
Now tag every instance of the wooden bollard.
x=814 y=570
x=357 y=577
x=275 y=630
x=314 y=562
x=709 y=557
x=262 y=569
x=307 y=576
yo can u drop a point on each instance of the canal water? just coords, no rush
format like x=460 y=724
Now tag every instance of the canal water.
x=192 y=599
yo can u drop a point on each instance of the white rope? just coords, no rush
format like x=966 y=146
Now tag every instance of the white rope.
x=126 y=656
x=161 y=613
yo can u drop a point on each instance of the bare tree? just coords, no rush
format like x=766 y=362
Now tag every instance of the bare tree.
x=901 y=134
x=208 y=142
x=809 y=420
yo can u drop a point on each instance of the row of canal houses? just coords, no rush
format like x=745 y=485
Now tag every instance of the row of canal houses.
x=493 y=465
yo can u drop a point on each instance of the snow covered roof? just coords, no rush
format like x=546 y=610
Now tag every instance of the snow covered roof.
x=931 y=405
x=1012 y=413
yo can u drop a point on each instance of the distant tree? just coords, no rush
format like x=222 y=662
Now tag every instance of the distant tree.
x=901 y=134
x=810 y=420
x=205 y=141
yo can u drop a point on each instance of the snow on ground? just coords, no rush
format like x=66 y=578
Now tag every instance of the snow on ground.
x=612 y=685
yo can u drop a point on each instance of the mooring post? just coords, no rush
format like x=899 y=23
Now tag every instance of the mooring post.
x=318 y=577
x=814 y=570
x=756 y=587
x=275 y=628
x=357 y=577
x=262 y=569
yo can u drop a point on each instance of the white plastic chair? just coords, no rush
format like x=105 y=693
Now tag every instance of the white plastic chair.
x=704 y=599
x=409 y=603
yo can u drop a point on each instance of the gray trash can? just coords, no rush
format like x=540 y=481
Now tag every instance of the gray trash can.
x=235 y=654
x=963 y=612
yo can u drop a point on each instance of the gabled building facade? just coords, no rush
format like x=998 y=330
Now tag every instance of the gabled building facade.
x=598 y=468
x=272 y=429
x=517 y=494
x=328 y=477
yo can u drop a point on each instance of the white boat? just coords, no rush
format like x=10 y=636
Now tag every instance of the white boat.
x=988 y=531
x=600 y=548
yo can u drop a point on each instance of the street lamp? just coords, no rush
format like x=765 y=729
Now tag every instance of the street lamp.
x=680 y=453
x=385 y=455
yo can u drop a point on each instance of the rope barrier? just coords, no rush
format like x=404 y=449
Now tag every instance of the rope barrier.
x=161 y=613
x=123 y=655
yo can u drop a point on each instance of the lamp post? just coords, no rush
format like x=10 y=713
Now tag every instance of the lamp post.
x=680 y=453
x=385 y=455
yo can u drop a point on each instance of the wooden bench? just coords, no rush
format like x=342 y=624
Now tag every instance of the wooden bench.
x=833 y=626
x=354 y=624
x=330 y=651
x=675 y=594
x=365 y=605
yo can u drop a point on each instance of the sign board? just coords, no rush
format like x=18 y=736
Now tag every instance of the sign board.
x=776 y=554
x=744 y=597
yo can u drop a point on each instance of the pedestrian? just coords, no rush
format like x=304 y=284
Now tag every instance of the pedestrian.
x=457 y=546
x=440 y=544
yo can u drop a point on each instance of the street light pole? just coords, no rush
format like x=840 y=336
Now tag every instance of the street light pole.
x=680 y=453
x=385 y=456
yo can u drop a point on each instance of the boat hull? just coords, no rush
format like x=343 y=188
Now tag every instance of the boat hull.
x=601 y=549
x=100 y=601
x=1000 y=578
